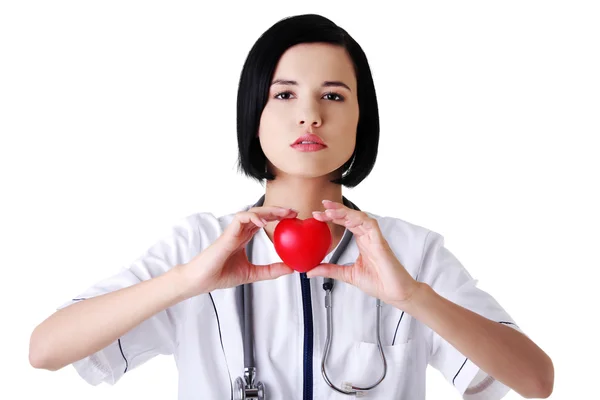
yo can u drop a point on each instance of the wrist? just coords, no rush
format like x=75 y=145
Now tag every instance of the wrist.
x=419 y=295
x=184 y=279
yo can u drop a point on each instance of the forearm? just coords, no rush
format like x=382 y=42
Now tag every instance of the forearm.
x=504 y=353
x=90 y=325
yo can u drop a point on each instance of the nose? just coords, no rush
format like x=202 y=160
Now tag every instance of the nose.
x=310 y=115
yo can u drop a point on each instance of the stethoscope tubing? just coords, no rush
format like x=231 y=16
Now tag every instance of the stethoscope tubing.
x=349 y=389
x=248 y=337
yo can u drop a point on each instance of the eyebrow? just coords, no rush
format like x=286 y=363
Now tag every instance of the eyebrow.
x=324 y=84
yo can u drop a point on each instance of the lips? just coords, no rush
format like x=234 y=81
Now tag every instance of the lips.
x=308 y=147
x=309 y=138
x=308 y=142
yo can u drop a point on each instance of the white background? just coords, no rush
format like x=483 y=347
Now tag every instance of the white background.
x=118 y=117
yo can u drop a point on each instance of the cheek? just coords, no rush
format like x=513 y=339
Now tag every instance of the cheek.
x=348 y=129
x=347 y=115
x=265 y=122
x=268 y=129
x=347 y=120
x=270 y=119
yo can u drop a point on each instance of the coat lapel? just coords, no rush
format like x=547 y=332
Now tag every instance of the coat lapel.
x=228 y=304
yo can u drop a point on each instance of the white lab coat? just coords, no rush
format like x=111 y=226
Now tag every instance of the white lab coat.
x=192 y=332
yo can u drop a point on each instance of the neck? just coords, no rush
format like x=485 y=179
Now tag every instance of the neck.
x=305 y=195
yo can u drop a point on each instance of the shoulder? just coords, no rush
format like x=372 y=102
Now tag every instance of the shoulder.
x=408 y=240
x=205 y=227
x=398 y=230
x=209 y=223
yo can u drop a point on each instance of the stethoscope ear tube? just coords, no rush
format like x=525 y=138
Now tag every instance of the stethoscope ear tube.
x=248 y=328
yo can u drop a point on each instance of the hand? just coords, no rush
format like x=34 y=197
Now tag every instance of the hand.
x=377 y=270
x=225 y=264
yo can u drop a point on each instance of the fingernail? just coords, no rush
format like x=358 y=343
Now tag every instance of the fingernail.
x=325 y=201
x=264 y=221
x=294 y=210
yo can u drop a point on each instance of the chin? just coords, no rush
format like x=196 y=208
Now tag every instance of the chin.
x=310 y=173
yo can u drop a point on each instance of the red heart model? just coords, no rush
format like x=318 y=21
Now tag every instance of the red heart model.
x=301 y=244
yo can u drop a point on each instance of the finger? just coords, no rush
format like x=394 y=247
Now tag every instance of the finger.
x=272 y=212
x=361 y=221
x=264 y=215
x=334 y=271
x=243 y=223
x=269 y=271
x=247 y=217
x=333 y=204
x=339 y=210
x=354 y=220
x=340 y=217
x=325 y=217
x=331 y=214
x=321 y=216
x=258 y=221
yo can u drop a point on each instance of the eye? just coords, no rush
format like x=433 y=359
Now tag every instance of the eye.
x=333 y=96
x=283 y=95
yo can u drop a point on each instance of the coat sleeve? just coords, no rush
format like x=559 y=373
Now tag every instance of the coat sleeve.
x=442 y=271
x=156 y=335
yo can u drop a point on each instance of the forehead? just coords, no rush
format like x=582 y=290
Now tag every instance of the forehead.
x=314 y=63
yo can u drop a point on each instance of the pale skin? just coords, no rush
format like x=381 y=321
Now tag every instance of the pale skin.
x=314 y=90
x=303 y=183
x=303 y=179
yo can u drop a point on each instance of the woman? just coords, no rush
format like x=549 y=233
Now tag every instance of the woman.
x=308 y=125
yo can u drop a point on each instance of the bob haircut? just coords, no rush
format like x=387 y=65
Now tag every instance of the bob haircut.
x=255 y=81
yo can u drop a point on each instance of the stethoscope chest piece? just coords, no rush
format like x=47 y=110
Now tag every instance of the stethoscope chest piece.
x=246 y=389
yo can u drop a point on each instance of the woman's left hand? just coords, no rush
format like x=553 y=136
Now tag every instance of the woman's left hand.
x=376 y=271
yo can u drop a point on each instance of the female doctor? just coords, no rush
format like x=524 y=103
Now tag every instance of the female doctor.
x=214 y=293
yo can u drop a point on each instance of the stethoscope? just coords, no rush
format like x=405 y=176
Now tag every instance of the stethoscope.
x=248 y=387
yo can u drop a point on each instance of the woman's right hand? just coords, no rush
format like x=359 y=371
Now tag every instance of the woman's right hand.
x=224 y=263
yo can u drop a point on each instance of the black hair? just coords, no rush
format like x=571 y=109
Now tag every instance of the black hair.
x=255 y=80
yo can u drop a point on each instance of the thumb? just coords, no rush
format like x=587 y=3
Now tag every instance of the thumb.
x=269 y=271
x=334 y=271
